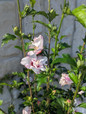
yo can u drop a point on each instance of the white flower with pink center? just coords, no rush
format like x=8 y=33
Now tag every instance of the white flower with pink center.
x=80 y=92
x=65 y=80
x=37 y=64
x=37 y=45
x=26 y=110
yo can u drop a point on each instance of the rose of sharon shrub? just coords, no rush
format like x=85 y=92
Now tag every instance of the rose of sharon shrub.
x=37 y=45
x=65 y=80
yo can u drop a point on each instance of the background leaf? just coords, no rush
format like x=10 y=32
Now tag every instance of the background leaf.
x=80 y=14
x=7 y=38
x=83 y=105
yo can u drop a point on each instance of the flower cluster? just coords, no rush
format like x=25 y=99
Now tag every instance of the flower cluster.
x=33 y=60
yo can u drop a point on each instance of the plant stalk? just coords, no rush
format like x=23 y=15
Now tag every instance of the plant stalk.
x=22 y=43
x=20 y=24
x=56 y=37
x=49 y=41
x=33 y=25
x=30 y=91
x=35 y=86
x=82 y=48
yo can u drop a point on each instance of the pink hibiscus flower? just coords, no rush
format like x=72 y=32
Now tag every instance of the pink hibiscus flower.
x=26 y=110
x=37 y=45
x=65 y=80
x=37 y=64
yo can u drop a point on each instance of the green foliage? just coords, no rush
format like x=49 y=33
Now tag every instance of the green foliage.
x=49 y=26
x=1 y=112
x=74 y=78
x=7 y=38
x=80 y=14
x=32 y=2
x=18 y=47
x=61 y=46
x=52 y=14
x=66 y=59
x=11 y=109
x=41 y=79
x=83 y=105
x=83 y=88
x=1 y=102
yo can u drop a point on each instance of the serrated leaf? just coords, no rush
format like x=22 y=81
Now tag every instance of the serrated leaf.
x=83 y=105
x=7 y=38
x=49 y=26
x=66 y=59
x=18 y=47
x=80 y=14
x=73 y=78
x=32 y=2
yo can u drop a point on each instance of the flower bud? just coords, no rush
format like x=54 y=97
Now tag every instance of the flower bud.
x=54 y=28
x=16 y=30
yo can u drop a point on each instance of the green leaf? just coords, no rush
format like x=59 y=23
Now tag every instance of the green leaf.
x=20 y=74
x=43 y=13
x=78 y=113
x=63 y=37
x=63 y=46
x=83 y=105
x=73 y=78
x=27 y=45
x=41 y=79
x=1 y=112
x=25 y=36
x=66 y=59
x=32 y=2
x=53 y=50
x=1 y=102
x=7 y=38
x=83 y=88
x=52 y=14
x=18 y=47
x=49 y=26
x=80 y=14
x=1 y=84
x=61 y=102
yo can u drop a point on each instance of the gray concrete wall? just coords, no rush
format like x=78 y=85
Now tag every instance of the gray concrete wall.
x=10 y=57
